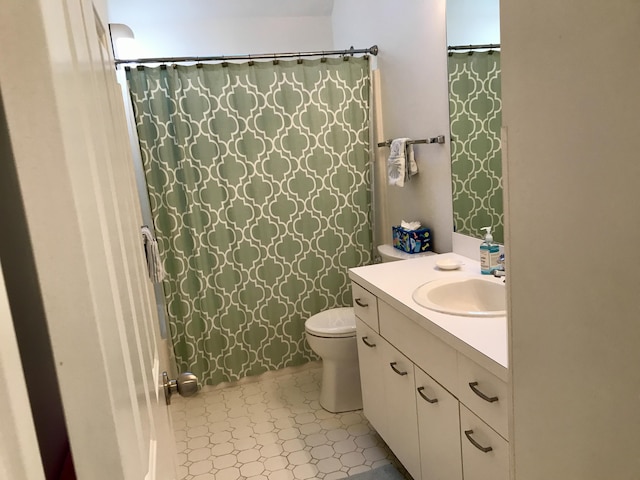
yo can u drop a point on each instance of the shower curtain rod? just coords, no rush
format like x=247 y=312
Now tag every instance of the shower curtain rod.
x=473 y=47
x=221 y=58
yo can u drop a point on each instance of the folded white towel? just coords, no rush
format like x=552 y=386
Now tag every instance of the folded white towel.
x=401 y=164
x=154 y=263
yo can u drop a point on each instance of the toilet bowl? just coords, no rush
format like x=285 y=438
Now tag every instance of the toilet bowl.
x=332 y=336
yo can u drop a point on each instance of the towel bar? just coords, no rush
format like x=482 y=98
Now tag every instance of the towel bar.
x=439 y=139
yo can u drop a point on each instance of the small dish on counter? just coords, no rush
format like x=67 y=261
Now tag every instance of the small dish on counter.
x=448 y=263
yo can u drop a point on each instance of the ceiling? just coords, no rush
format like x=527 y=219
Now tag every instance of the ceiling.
x=225 y=8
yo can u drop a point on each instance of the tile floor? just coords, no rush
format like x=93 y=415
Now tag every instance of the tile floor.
x=272 y=428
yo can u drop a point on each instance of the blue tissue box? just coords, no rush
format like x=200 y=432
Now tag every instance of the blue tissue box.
x=412 y=241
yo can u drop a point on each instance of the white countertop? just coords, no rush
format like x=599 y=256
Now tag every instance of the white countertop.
x=482 y=339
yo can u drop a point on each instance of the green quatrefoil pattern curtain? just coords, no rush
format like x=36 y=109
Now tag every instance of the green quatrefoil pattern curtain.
x=259 y=184
x=476 y=160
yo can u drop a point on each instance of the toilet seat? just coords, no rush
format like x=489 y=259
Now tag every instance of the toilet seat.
x=332 y=323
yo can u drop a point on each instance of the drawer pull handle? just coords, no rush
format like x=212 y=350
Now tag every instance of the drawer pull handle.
x=430 y=400
x=473 y=386
x=476 y=444
x=361 y=303
x=370 y=345
x=393 y=367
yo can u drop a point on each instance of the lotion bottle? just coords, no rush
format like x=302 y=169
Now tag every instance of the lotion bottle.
x=489 y=253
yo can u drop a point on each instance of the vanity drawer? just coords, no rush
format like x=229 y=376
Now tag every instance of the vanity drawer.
x=365 y=305
x=484 y=394
x=425 y=350
x=485 y=454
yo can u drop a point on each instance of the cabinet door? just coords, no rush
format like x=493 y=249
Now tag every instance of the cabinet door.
x=371 y=364
x=402 y=418
x=485 y=454
x=439 y=430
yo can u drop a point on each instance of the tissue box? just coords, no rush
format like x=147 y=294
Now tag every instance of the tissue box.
x=412 y=241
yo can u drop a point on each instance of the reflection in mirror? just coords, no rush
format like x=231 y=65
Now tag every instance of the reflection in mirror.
x=473 y=36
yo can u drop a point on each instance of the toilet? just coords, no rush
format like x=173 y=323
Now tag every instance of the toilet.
x=332 y=336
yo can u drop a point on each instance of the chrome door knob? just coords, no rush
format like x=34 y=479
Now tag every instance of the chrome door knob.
x=185 y=385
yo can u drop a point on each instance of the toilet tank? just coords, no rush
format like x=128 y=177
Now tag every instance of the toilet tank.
x=390 y=254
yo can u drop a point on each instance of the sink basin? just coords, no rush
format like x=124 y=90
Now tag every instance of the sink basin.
x=466 y=296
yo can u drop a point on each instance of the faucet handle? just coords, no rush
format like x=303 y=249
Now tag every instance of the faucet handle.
x=499 y=271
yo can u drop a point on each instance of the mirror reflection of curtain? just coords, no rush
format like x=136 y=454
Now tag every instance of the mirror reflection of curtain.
x=260 y=193
x=476 y=159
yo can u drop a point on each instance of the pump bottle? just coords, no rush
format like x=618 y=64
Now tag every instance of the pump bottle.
x=489 y=253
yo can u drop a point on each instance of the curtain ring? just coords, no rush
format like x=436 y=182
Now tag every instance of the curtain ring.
x=299 y=59
x=251 y=62
x=163 y=66
x=323 y=59
x=275 y=59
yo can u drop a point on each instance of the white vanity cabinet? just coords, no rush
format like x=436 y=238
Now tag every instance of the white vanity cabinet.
x=443 y=415
x=388 y=395
x=439 y=430
x=483 y=393
x=402 y=431
x=485 y=454
x=365 y=305
x=370 y=357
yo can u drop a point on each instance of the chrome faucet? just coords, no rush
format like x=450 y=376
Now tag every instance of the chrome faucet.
x=500 y=269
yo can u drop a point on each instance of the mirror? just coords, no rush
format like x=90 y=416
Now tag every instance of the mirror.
x=475 y=114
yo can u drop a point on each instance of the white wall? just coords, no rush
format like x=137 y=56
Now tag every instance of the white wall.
x=572 y=112
x=413 y=66
x=170 y=28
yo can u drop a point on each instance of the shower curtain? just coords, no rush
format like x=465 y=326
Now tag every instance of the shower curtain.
x=259 y=184
x=475 y=112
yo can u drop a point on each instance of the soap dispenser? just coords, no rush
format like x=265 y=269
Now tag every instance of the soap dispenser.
x=489 y=253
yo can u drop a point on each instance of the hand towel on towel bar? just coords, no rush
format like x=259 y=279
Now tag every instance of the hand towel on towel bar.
x=401 y=164
x=154 y=263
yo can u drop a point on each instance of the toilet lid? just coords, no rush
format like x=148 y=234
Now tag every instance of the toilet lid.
x=335 y=322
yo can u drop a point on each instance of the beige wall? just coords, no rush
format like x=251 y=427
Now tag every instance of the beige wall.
x=101 y=9
x=572 y=110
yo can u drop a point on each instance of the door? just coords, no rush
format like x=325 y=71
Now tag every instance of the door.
x=19 y=453
x=76 y=186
